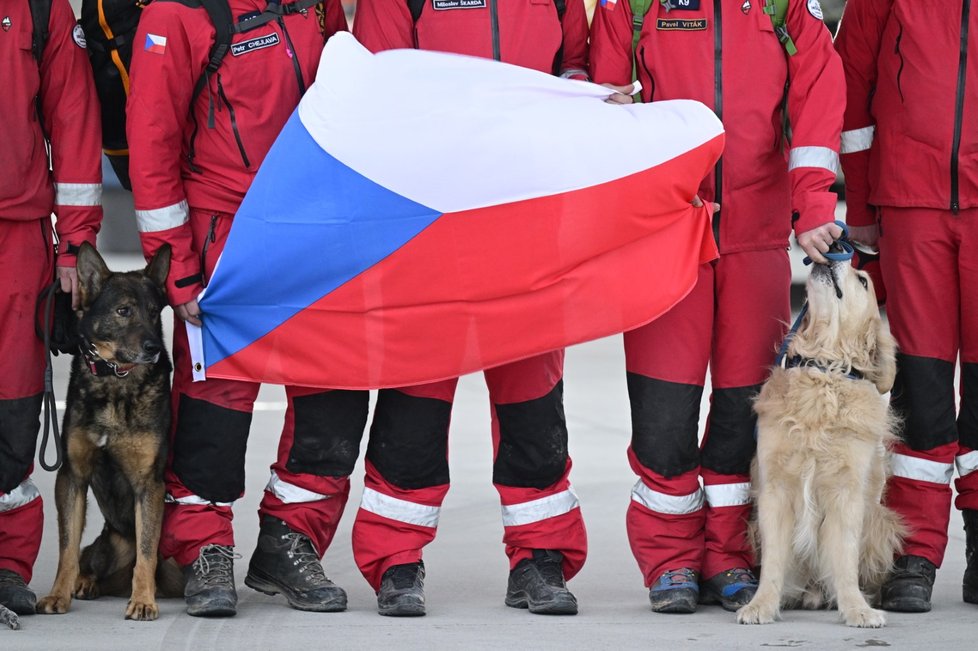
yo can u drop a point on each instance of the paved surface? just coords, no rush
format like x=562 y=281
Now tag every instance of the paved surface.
x=467 y=568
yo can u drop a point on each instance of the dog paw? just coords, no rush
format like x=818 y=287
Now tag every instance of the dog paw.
x=755 y=613
x=142 y=612
x=53 y=605
x=864 y=618
x=86 y=587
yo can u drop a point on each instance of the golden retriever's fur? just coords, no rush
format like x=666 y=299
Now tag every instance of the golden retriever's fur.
x=821 y=462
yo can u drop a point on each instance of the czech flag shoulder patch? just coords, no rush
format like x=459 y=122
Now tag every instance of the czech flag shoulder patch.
x=155 y=43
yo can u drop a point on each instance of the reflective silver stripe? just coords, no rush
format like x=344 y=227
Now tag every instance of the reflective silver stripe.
x=194 y=500
x=814 y=157
x=662 y=503
x=967 y=463
x=720 y=495
x=393 y=508
x=857 y=140
x=162 y=219
x=551 y=506
x=570 y=72
x=25 y=493
x=78 y=194
x=921 y=469
x=290 y=493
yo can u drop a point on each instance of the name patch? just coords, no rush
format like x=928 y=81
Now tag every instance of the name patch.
x=680 y=24
x=252 y=44
x=442 y=5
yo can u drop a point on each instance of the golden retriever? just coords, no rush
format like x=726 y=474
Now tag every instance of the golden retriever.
x=823 y=435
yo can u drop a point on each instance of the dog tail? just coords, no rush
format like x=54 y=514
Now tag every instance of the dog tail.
x=883 y=535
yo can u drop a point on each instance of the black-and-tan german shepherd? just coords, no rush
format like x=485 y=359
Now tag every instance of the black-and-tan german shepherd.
x=116 y=424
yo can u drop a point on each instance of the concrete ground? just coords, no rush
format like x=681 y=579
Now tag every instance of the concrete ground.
x=467 y=568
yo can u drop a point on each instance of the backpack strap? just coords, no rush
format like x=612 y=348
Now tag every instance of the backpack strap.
x=41 y=17
x=777 y=10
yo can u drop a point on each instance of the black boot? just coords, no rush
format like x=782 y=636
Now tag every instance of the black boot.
x=14 y=593
x=538 y=584
x=402 y=591
x=908 y=587
x=210 y=583
x=285 y=561
x=970 y=584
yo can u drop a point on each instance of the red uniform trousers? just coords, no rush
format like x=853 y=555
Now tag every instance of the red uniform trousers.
x=26 y=268
x=732 y=320
x=929 y=260
x=407 y=469
x=318 y=447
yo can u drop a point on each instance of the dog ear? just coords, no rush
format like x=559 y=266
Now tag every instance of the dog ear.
x=884 y=358
x=159 y=267
x=92 y=273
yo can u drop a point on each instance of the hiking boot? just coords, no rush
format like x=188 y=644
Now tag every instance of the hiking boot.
x=731 y=589
x=676 y=591
x=907 y=589
x=210 y=583
x=402 y=591
x=538 y=584
x=285 y=561
x=14 y=593
x=970 y=583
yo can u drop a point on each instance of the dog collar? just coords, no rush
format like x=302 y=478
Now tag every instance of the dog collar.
x=799 y=361
x=99 y=366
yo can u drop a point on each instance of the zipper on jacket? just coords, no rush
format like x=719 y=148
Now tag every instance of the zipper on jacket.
x=234 y=122
x=494 y=22
x=641 y=60
x=899 y=55
x=210 y=239
x=717 y=108
x=959 y=105
x=293 y=56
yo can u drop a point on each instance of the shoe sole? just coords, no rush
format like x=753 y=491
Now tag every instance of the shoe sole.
x=557 y=607
x=906 y=606
x=268 y=586
x=402 y=610
x=218 y=609
x=676 y=604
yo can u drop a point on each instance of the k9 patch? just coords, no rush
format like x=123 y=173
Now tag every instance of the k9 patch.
x=252 y=44
x=680 y=24
x=442 y=5
x=682 y=5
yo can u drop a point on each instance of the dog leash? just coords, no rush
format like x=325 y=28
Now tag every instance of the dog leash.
x=50 y=407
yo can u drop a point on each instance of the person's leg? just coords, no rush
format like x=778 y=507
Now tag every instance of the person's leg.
x=666 y=364
x=26 y=267
x=405 y=484
x=918 y=254
x=305 y=496
x=753 y=305
x=542 y=525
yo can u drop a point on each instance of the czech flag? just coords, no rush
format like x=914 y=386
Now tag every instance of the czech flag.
x=424 y=215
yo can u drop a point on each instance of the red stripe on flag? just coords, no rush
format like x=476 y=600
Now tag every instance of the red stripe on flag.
x=488 y=286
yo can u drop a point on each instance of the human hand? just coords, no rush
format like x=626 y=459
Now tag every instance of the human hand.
x=189 y=312
x=817 y=241
x=868 y=235
x=622 y=94
x=69 y=283
x=698 y=203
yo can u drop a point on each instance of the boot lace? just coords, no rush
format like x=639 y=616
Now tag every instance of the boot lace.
x=215 y=565
x=679 y=577
x=304 y=557
x=550 y=569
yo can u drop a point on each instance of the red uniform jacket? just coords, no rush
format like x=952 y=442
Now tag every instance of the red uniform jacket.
x=522 y=32
x=28 y=189
x=725 y=54
x=250 y=97
x=910 y=137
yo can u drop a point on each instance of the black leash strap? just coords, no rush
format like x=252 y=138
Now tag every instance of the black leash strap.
x=50 y=407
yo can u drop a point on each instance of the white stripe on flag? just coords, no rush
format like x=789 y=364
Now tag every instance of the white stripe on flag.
x=394 y=508
x=162 y=219
x=857 y=140
x=290 y=493
x=193 y=500
x=78 y=194
x=195 y=342
x=540 y=509
x=967 y=463
x=814 y=157
x=720 y=495
x=670 y=504
x=25 y=493
x=921 y=469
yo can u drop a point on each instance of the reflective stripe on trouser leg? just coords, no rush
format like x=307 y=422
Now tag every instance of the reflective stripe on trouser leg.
x=319 y=446
x=920 y=491
x=205 y=471
x=21 y=525
x=665 y=521
x=531 y=468
x=393 y=525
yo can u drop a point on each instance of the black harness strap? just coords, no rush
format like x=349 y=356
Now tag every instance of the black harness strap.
x=41 y=17
x=50 y=407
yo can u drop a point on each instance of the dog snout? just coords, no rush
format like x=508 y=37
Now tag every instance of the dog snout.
x=151 y=347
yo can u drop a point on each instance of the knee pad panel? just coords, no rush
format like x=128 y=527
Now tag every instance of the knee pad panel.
x=327 y=431
x=532 y=441
x=19 y=424
x=730 y=440
x=209 y=449
x=665 y=424
x=923 y=398
x=409 y=439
